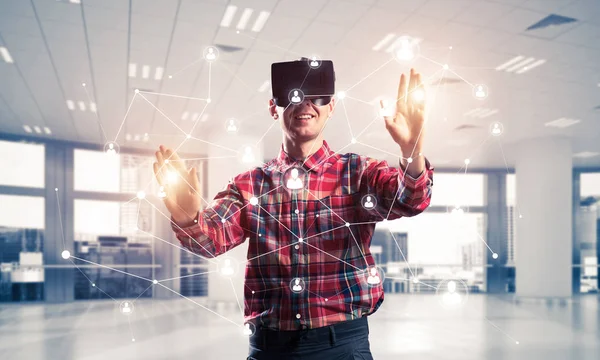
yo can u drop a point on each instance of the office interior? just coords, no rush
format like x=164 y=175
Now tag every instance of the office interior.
x=90 y=88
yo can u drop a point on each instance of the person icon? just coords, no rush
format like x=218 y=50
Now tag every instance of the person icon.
x=227 y=269
x=126 y=308
x=231 y=127
x=247 y=330
x=297 y=287
x=211 y=54
x=248 y=156
x=496 y=129
x=373 y=278
x=405 y=52
x=296 y=99
x=451 y=297
x=161 y=192
x=111 y=149
x=479 y=92
x=314 y=62
x=294 y=182
x=369 y=204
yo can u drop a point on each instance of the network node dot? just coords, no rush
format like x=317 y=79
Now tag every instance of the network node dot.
x=141 y=194
x=419 y=95
x=259 y=234
x=253 y=200
x=253 y=291
x=317 y=215
x=520 y=216
x=137 y=91
x=223 y=221
x=132 y=340
x=326 y=299
x=516 y=342
x=385 y=220
x=166 y=161
x=341 y=94
x=409 y=160
x=170 y=76
x=347 y=224
x=300 y=240
x=297 y=211
x=55 y=189
x=237 y=31
x=298 y=316
x=155 y=282
x=353 y=141
x=65 y=254
x=446 y=67
x=83 y=84
x=297 y=247
x=495 y=256
x=415 y=280
x=208 y=101
x=450 y=47
x=94 y=285
x=195 y=220
x=467 y=161
x=189 y=136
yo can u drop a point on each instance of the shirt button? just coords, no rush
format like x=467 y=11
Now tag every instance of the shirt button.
x=297 y=316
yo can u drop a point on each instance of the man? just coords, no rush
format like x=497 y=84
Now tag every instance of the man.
x=310 y=279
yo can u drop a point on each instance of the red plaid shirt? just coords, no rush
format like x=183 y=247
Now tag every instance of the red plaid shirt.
x=320 y=234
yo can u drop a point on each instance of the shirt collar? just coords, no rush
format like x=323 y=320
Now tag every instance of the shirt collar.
x=313 y=162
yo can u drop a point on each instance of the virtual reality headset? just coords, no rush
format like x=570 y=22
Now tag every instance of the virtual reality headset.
x=294 y=81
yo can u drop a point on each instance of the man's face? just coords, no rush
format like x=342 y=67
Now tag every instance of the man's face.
x=302 y=122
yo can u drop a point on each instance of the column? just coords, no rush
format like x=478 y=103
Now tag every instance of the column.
x=544 y=244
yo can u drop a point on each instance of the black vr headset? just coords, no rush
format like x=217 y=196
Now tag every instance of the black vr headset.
x=294 y=81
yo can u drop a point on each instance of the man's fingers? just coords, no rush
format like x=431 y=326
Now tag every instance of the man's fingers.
x=194 y=180
x=412 y=86
x=175 y=161
x=421 y=87
x=401 y=99
x=158 y=174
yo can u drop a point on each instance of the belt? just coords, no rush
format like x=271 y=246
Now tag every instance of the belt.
x=268 y=338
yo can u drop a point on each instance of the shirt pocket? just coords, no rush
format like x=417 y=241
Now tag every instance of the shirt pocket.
x=335 y=212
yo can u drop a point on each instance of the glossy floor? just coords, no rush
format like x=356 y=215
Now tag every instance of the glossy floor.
x=406 y=327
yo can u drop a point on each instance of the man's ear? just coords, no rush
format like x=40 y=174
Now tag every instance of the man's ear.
x=331 y=106
x=272 y=108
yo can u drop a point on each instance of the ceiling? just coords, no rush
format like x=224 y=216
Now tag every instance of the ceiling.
x=57 y=46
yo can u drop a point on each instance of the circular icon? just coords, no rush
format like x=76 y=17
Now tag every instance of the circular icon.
x=296 y=96
x=232 y=125
x=297 y=285
x=374 y=275
x=227 y=267
x=211 y=53
x=452 y=293
x=111 y=148
x=480 y=91
x=294 y=178
x=496 y=129
x=369 y=202
x=248 y=154
x=248 y=329
x=126 y=307
x=406 y=49
x=314 y=62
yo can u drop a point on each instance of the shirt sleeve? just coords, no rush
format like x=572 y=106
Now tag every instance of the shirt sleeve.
x=397 y=193
x=218 y=228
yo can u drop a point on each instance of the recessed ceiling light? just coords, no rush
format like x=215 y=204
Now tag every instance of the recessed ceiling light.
x=6 y=55
x=70 y=104
x=27 y=128
x=93 y=107
x=81 y=105
x=47 y=130
x=145 y=71
x=158 y=73
x=264 y=86
x=386 y=39
x=228 y=15
x=260 y=21
x=185 y=115
x=519 y=64
x=37 y=129
x=132 y=70
x=244 y=18
x=586 y=154
x=562 y=122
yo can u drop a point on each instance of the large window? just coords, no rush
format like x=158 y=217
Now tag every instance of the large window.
x=123 y=173
x=439 y=245
x=587 y=230
x=21 y=248
x=22 y=164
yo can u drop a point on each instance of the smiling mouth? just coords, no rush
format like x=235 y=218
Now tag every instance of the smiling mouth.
x=304 y=117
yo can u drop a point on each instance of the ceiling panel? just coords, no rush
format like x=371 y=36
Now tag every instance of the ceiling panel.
x=481 y=13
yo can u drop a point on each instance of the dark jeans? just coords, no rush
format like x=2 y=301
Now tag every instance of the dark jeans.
x=347 y=340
